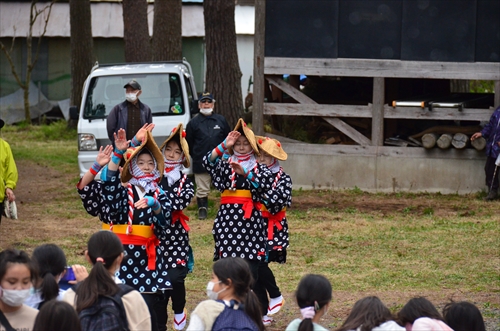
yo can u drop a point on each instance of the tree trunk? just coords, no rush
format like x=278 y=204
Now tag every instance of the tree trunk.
x=82 y=47
x=479 y=143
x=444 y=141
x=459 y=86
x=223 y=71
x=167 y=31
x=135 y=31
x=429 y=140
x=460 y=141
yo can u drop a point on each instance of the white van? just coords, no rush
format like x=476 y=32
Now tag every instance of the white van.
x=167 y=88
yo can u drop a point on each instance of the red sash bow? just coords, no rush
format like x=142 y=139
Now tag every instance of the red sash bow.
x=178 y=215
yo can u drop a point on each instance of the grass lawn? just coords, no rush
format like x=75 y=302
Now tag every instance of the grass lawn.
x=395 y=246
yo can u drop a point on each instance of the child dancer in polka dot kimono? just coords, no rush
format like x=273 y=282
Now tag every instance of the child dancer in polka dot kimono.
x=138 y=212
x=238 y=228
x=274 y=204
x=89 y=189
x=174 y=244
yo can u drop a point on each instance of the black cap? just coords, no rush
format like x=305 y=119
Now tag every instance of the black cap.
x=133 y=84
x=2 y=123
x=206 y=96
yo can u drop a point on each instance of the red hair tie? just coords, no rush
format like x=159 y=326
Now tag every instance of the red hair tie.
x=99 y=259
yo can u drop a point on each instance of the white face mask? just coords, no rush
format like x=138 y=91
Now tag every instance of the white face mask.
x=14 y=298
x=206 y=111
x=131 y=97
x=210 y=291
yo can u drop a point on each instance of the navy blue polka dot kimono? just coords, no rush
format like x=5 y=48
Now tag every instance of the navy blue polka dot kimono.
x=174 y=241
x=134 y=269
x=234 y=235
x=275 y=200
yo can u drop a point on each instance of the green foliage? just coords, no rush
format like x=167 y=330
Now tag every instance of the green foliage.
x=482 y=86
x=52 y=144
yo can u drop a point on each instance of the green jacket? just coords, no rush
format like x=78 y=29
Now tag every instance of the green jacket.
x=8 y=169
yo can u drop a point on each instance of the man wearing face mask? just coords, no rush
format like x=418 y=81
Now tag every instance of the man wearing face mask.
x=129 y=115
x=203 y=133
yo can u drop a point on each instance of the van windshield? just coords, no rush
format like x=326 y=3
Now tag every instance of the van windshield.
x=161 y=92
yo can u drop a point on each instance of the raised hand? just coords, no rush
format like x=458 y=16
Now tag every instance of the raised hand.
x=104 y=155
x=142 y=131
x=121 y=141
x=231 y=138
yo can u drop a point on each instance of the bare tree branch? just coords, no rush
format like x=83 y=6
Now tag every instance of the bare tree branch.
x=11 y=63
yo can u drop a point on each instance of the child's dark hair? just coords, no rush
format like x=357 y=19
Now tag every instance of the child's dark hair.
x=463 y=316
x=238 y=271
x=312 y=291
x=416 y=308
x=103 y=247
x=50 y=261
x=57 y=316
x=367 y=313
x=12 y=255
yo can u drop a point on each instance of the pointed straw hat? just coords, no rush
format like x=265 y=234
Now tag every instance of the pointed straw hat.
x=271 y=147
x=179 y=135
x=149 y=144
x=242 y=128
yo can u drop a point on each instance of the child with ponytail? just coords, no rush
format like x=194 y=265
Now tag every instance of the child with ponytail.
x=105 y=253
x=232 y=304
x=313 y=296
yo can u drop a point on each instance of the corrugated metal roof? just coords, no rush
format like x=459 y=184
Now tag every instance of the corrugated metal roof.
x=107 y=20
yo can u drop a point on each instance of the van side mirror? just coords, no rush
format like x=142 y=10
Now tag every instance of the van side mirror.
x=194 y=107
x=73 y=112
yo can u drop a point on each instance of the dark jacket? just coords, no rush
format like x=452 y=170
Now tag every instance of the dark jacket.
x=203 y=134
x=117 y=118
x=491 y=132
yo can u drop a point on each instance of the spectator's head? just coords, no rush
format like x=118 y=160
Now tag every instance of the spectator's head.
x=105 y=253
x=232 y=274
x=132 y=91
x=367 y=313
x=51 y=263
x=232 y=280
x=463 y=316
x=313 y=296
x=17 y=275
x=57 y=316
x=417 y=308
x=206 y=103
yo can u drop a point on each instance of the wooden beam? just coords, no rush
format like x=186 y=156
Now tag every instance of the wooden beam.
x=290 y=90
x=382 y=68
x=378 y=111
x=258 y=68
x=304 y=99
x=348 y=130
x=381 y=151
x=297 y=109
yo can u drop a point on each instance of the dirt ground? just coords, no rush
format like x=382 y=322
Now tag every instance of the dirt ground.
x=35 y=192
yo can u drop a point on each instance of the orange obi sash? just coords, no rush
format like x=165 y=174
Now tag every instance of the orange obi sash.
x=178 y=215
x=142 y=235
x=273 y=220
x=241 y=197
